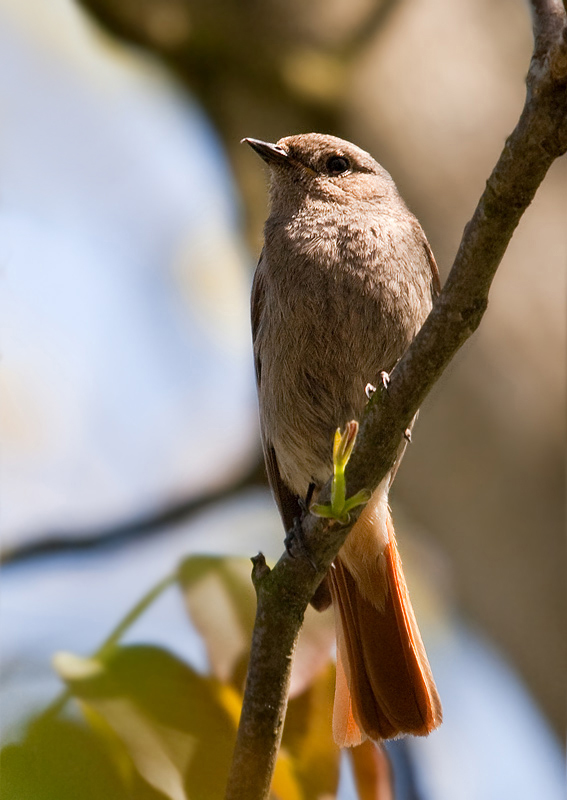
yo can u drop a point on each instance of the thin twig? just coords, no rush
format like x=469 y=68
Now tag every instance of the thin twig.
x=368 y=29
x=120 y=532
x=283 y=594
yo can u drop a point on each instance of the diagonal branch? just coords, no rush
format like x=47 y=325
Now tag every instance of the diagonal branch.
x=283 y=593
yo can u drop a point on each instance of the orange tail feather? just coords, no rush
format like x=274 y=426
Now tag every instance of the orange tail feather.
x=384 y=683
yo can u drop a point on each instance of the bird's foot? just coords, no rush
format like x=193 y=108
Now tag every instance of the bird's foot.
x=305 y=503
x=295 y=543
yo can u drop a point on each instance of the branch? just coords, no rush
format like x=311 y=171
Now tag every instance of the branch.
x=138 y=525
x=283 y=594
x=367 y=30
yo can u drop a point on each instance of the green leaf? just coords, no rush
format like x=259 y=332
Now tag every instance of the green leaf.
x=177 y=726
x=60 y=759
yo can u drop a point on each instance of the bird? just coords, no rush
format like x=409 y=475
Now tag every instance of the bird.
x=345 y=279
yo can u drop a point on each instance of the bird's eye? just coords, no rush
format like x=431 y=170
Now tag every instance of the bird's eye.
x=337 y=165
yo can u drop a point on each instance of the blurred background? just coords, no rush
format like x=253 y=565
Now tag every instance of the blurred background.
x=130 y=221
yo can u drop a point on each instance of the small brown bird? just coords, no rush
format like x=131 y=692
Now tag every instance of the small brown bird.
x=344 y=282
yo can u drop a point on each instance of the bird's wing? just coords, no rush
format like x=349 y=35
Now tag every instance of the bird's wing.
x=257 y=304
x=435 y=280
x=288 y=502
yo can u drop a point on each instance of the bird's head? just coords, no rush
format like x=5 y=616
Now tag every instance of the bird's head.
x=317 y=165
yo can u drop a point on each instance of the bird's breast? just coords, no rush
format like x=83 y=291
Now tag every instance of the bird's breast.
x=335 y=314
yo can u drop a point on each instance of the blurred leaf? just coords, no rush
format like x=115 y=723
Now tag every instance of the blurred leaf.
x=285 y=785
x=222 y=604
x=173 y=722
x=372 y=772
x=221 y=601
x=59 y=760
x=309 y=741
x=313 y=650
x=163 y=723
x=317 y=75
x=116 y=749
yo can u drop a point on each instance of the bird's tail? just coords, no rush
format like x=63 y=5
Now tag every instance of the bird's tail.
x=384 y=683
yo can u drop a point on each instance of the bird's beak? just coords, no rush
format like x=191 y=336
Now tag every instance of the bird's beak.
x=270 y=153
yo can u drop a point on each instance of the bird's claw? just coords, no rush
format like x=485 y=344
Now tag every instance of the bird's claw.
x=295 y=543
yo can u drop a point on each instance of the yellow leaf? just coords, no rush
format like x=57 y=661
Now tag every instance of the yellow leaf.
x=308 y=738
x=231 y=701
x=284 y=783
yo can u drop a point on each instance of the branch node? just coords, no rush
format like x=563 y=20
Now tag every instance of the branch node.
x=260 y=570
x=558 y=59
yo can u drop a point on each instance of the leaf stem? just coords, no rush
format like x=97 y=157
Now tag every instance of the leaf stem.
x=106 y=648
x=145 y=602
